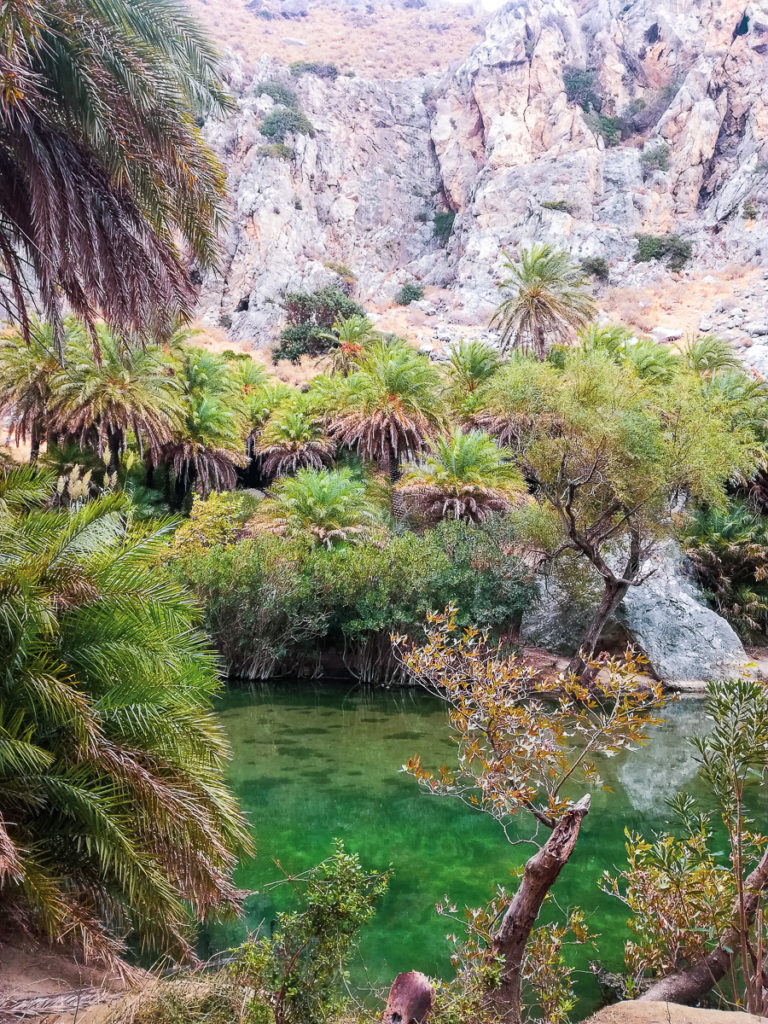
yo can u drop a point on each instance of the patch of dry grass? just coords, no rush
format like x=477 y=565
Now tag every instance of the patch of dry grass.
x=367 y=43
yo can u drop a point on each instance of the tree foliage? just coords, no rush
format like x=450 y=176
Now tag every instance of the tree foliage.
x=607 y=452
x=523 y=742
x=300 y=969
x=697 y=911
x=108 y=188
x=115 y=822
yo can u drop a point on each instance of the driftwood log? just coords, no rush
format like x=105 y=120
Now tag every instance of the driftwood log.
x=410 y=999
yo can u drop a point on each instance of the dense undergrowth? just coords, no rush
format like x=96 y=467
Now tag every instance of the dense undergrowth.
x=275 y=605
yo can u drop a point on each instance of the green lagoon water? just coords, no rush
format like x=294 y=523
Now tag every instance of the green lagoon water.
x=312 y=763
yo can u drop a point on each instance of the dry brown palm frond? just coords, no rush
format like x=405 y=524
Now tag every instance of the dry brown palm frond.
x=469 y=503
x=289 y=457
x=205 y=469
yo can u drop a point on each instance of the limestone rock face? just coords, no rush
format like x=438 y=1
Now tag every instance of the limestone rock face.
x=350 y=195
x=679 y=144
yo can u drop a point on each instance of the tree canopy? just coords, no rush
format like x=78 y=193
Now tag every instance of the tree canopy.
x=107 y=186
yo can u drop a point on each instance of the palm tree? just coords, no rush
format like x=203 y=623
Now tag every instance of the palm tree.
x=652 y=361
x=127 y=389
x=390 y=407
x=208 y=449
x=114 y=816
x=103 y=168
x=729 y=553
x=546 y=301
x=465 y=476
x=209 y=446
x=611 y=338
x=471 y=364
x=329 y=506
x=260 y=395
x=708 y=354
x=27 y=367
x=349 y=339
x=293 y=439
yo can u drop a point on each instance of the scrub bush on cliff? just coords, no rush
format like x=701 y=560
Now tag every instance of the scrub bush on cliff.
x=310 y=316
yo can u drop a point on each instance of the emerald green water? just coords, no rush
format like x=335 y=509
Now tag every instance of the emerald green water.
x=312 y=763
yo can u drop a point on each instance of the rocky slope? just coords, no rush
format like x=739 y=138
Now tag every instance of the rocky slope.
x=505 y=143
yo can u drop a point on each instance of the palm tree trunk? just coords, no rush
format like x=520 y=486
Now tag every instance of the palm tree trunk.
x=394 y=465
x=115 y=445
x=541 y=342
x=34 y=443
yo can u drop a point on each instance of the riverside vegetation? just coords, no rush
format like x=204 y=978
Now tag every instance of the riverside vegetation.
x=138 y=545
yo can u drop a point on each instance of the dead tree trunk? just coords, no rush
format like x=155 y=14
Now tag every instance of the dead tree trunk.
x=410 y=999
x=688 y=985
x=539 y=876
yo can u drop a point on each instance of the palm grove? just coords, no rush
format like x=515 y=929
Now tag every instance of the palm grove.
x=395 y=488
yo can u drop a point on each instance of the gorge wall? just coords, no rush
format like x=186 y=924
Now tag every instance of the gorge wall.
x=512 y=142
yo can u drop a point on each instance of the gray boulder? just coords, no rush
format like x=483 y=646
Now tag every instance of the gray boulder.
x=666 y=618
x=685 y=642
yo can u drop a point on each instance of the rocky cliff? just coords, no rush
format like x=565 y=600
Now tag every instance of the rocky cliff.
x=578 y=123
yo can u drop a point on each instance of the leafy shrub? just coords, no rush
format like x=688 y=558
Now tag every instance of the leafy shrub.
x=284 y=121
x=282 y=96
x=278 y=150
x=561 y=205
x=314 y=67
x=671 y=247
x=581 y=87
x=409 y=293
x=442 y=225
x=294 y=976
x=611 y=128
x=270 y=604
x=595 y=266
x=748 y=209
x=655 y=159
x=214 y=521
x=311 y=315
x=300 y=969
